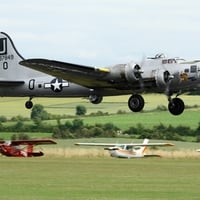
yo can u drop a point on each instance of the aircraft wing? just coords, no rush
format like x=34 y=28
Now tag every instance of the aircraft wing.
x=83 y=75
x=126 y=144
x=32 y=142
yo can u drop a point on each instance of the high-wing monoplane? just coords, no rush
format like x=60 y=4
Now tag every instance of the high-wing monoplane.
x=23 y=148
x=130 y=150
x=49 y=78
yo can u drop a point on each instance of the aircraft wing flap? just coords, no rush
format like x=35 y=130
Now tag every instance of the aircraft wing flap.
x=83 y=75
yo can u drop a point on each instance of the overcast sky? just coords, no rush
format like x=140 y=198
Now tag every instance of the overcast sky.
x=102 y=32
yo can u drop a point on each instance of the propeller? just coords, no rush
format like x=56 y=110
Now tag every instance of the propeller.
x=138 y=72
x=168 y=79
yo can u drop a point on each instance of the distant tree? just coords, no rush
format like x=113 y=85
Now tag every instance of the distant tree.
x=81 y=110
x=77 y=124
x=3 y=119
x=38 y=113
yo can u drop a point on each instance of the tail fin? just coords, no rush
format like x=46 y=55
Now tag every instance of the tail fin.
x=9 y=59
x=142 y=149
x=10 y=69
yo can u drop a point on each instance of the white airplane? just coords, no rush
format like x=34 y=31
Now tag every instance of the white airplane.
x=131 y=150
x=48 y=78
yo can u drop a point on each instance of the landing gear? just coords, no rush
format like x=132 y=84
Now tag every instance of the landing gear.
x=95 y=99
x=29 y=104
x=136 y=103
x=176 y=106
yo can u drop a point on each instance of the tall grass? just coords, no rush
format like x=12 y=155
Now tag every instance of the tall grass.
x=97 y=153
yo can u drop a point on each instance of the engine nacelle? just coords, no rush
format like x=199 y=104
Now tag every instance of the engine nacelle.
x=162 y=77
x=132 y=72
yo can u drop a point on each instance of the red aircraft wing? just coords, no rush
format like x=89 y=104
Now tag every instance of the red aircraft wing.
x=32 y=142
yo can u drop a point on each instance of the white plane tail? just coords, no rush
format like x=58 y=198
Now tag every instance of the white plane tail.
x=141 y=151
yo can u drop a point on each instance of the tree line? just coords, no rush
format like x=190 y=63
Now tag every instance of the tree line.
x=77 y=128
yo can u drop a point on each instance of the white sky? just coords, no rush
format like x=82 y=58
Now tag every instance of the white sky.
x=102 y=32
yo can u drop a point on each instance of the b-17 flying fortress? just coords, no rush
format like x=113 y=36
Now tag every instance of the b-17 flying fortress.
x=48 y=78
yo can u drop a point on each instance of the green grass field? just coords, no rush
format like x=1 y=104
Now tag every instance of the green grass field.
x=70 y=172
x=99 y=179
x=15 y=106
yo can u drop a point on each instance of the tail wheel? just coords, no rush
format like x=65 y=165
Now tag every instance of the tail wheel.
x=176 y=106
x=136 y=103
x=29 y=104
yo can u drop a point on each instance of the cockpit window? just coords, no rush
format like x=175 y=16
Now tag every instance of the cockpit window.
x=164 y=61
x=129 y=147
x=169 y=61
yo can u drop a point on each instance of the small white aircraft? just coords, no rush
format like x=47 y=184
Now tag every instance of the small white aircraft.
x=131 y=150
x=49 y=78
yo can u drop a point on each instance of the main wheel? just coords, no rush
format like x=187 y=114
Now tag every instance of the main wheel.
x=29 y=104
x=176 y=106
x=95 y=99
x=136 y=103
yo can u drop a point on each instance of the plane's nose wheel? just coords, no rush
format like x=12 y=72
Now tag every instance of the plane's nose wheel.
x=136 y=103
x=176 y=106
x=29 y=104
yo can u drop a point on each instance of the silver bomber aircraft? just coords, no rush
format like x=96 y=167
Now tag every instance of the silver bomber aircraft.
x=48 y=78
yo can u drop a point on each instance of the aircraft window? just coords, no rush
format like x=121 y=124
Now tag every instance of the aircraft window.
x=186 y=70
x=170 y=61
x=128 y=147
x=164 y=61
x=193 y=69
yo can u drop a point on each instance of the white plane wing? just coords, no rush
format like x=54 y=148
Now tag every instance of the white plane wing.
x=124 y=144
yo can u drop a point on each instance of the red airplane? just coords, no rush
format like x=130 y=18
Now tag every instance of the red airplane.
x=13 y=148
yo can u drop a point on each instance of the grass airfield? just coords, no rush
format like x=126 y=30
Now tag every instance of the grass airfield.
x=70 y=172
x=99 y=178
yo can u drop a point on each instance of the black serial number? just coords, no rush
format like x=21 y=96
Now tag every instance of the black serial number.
x=6 y=57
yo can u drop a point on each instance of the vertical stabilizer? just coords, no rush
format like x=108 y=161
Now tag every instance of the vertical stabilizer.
x=9 y=59
x=10 y=69
x=141 y=151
